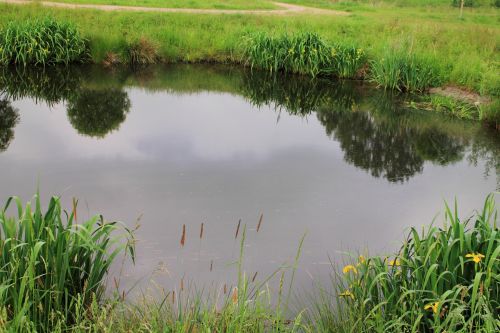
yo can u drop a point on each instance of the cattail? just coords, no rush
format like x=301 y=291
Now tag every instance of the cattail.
x=201 y=231
x=211 y=265
x=173 y=296
x=234 y=296
x=225 y=289
x=182 y=283
x=183 y=238
x=254 y=276
x=237 y=229
x=75 y=203
x=260 y=222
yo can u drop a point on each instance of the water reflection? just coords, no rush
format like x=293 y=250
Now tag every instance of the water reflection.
x=96 y=112
x=377 y=132
x=8 y=120
x=186 y=145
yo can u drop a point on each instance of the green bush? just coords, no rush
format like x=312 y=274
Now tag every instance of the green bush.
x=442 y=280
x=404 y=71
x=51 y=270
x=41 y=42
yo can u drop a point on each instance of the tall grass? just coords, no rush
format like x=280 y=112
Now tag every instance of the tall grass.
x=51 y=267
x=442 y=280
x=41 y=42
x=305 y=53
x=405 y=71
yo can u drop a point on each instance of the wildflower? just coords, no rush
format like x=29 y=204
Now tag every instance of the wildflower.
x=346 y=293
x=395 y=262
x=432 y=306
x=476 y=257
x=349 y=268
x=362 y=259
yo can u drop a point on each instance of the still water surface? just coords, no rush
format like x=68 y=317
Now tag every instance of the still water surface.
x=170 y=146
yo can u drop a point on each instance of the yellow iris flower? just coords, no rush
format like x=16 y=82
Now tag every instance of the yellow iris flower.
x=349 y=268
x=395 y=262
x=346 y=293
x=432 y=306
x=476 y=257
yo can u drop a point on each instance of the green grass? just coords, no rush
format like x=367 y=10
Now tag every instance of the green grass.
x=201 y=4
x=41 y=42
x=51 y=266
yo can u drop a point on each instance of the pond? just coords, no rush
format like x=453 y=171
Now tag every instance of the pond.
x=348 y=166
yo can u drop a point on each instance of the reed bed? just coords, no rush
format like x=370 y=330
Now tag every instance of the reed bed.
x=51 y=267
x=42 y=42
x=405 y=71
x=305 y=53
x=442 y=280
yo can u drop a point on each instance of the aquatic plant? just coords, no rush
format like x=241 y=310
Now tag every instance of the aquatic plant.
x=305 y=53
x=41 y=42
x=442 y=280
x=404 y=71
x=51 y=267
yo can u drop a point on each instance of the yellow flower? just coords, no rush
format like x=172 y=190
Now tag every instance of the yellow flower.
x=395 y=262
x=432 y=306
x=362 y=259
x=349 y=268
x=476 y=257
x=346 y=293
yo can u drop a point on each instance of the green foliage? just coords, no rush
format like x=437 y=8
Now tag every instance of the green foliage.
x=97 y=112
x=404 y=71
x=305 y=53
x=442 y=280
x=41 y=42
x=51 y=269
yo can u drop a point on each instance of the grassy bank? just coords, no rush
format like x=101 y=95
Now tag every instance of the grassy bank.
x=443 y=278
x=402 y=45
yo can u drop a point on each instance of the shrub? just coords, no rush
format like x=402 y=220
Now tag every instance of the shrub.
x=442 y=280
x=404 y=71
x=50 y=270
x=41 y=42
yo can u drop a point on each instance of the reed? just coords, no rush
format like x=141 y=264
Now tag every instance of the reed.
x=442 y=280
x=304 y=53
x=404 y=71
x=52 y=269
x=42 y=42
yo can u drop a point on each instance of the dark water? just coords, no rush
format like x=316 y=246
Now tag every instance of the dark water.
x=351 y=166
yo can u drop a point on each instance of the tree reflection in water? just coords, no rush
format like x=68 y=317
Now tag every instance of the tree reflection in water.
x=376 y=131
x=95 y=112
x=8 y=120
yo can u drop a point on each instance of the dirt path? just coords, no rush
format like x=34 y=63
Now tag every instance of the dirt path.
x=285 y=9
